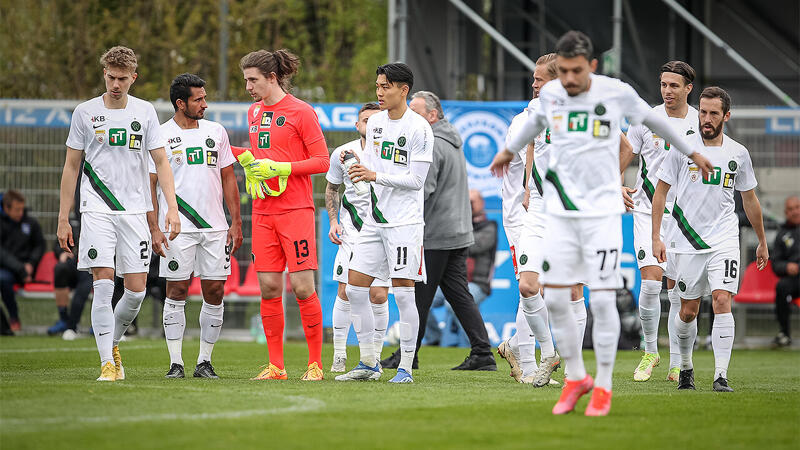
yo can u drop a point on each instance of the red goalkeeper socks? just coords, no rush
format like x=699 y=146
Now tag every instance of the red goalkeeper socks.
x=311 y=316
x=272 y=319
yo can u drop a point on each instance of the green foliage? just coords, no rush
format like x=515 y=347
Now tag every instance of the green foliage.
x=50 y=48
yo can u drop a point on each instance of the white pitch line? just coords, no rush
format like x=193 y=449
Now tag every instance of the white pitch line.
x=301 y=404
x=68 y=349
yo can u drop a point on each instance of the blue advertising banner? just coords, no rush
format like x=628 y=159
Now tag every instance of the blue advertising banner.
x=498 y=310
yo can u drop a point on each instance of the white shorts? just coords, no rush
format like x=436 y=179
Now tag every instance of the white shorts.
x=583 y=250
x=202 y=253
x=701 y=273
x=117 y=241
x=390 y=252
x=513 y=235
x=643 y=239
x=341 y=265
x=531 y=240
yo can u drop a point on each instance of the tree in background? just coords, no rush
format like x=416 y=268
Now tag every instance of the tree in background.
x=50 y=49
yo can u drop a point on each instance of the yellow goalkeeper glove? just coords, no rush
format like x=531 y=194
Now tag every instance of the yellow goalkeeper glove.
x=253 y=184
x=267 y=168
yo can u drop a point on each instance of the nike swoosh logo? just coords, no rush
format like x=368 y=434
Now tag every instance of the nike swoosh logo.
x=103 y=334
x=226 y=267
x=301 y=262
x=171 y=147
x=727 y=281
x=98 y=126
x=725 y=337
x=396 y=269
x=212 y=326
x=168 y=324
x=310 y=326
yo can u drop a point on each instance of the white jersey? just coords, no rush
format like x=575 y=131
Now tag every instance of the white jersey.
x=582 y=172
x=541 y=153
x=704 y=209
x=116 y=145
x=196 y=156
x=354 y=207
x=513 y=187
x=391 y=147
x=652 y=149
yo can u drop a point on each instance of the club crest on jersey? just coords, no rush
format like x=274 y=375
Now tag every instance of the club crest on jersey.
x=92 y=253
x=401 y=141
x=173 y=265
x=400 y=157
x=266 y=119
x=689 y=132
x=210 y=143
x=600 y=109
x=136 y=126
x=280 y=121
x=601 y=128
x=732 y=165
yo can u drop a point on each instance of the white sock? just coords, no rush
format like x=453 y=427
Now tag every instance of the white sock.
x=565 y=331
x=579 y=310
x=605 y=335
x=535 y=312
x=650 y=313
x=341 y=325
x=210 y=327
x=409 y=325
x=674 y=347
x=363 y=322
x=525 y=345
x=722 y=342
x=174 y=325
x=686 y=333
x=103 y=318
x=380 y=311
x=126 y=310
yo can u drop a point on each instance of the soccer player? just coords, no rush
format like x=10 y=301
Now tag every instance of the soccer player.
x=286 y=137
x=202 y=165
x=523 y=223
x=396 y=161
x=706 y=251
x=676 y=84
x=116 y=133
x=583 y=112
x=353 y=208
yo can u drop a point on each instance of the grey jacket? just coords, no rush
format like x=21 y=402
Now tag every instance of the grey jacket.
x=448 y=215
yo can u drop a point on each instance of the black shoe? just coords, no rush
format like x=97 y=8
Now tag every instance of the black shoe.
x=477 y=362
x=686 y=379
x=175 y=371
x=204 y=370
x=393 y=361
x=721 y=385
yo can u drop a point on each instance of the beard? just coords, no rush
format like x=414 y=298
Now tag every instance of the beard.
x=713 y=134
x=198 y=116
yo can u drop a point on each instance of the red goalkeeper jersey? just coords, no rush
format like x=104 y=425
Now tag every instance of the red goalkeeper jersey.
x=287 y=131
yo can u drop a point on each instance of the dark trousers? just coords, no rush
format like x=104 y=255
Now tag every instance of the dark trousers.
x=67 y=275
x=787 y=289
x=7 y=281
x=448 y=269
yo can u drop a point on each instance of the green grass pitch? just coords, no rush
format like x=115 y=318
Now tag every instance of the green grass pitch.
x=49 y=399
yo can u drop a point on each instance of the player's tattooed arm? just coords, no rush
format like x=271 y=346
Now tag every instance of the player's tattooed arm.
x=332 y=204
x=156 y=235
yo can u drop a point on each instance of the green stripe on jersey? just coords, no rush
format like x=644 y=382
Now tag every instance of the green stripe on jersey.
x=537 y=180
x=376 y=213
x=647 y=186
x=191 y=214
x=687 y=230
x=351 y=209
x=562 y=194
x=101 y=189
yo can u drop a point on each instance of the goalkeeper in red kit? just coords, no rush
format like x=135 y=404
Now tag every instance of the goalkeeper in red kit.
x=287 y=146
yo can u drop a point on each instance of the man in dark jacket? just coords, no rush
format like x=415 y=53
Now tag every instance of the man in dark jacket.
x=786 y=265
x=22 y=245
x=448 y=235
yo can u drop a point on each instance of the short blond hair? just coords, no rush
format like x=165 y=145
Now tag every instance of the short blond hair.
x=549 y=60
x=119 y=57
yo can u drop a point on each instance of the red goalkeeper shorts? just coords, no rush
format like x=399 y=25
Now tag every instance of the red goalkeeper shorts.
x=285 y=240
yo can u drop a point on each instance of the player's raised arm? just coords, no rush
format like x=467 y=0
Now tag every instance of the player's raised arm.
x=69 y=179
x=534 y=124
x=660 y=125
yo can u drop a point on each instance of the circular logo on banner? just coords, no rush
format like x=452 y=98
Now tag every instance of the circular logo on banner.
x=484 y=134
x=401 y=141
x=681 y=285
x=280 y=121
x=523 y=259
x=339 y=270
x=732 y=165
x=210 y=143
x=641 y=255
x=173 y=265
x=92 y=253
x=136 y=126
x=545 y=266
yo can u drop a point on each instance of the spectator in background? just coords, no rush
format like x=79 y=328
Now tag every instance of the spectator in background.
x=448 y=234
x=22 y=245
x=786 y=265
x=480 y=267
